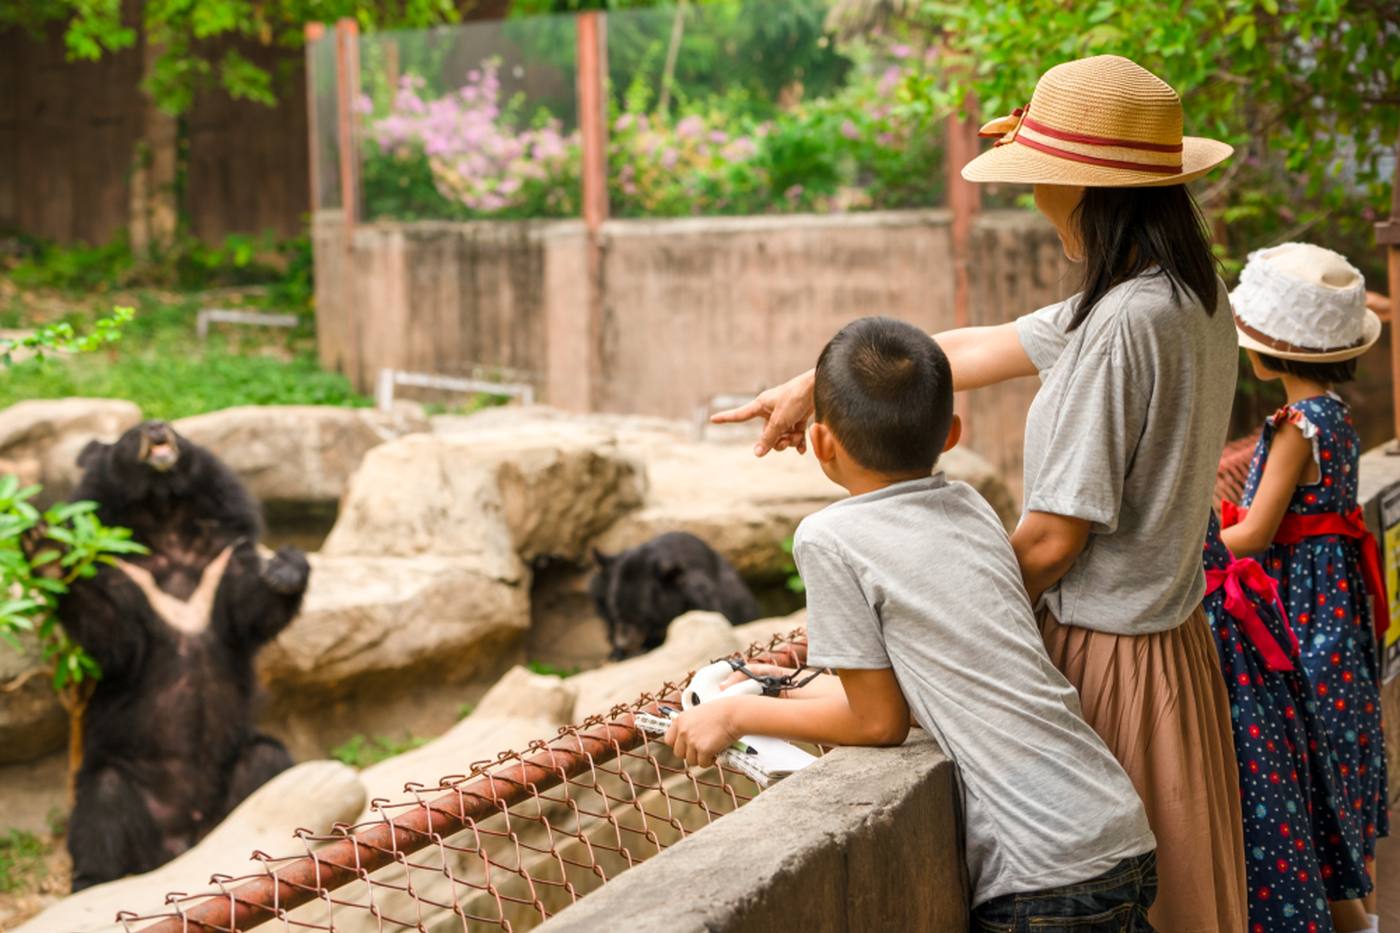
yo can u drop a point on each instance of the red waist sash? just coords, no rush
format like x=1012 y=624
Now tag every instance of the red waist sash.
x=1246 y=574
x=1295 y=528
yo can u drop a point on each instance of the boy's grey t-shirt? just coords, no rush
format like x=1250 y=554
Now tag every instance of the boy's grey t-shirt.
x=1126 y=433
x=920 y=577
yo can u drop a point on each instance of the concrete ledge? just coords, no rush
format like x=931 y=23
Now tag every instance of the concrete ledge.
x=865 y=839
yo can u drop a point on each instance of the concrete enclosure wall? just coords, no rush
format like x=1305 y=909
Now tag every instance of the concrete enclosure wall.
x=863 y=840
x=685 y=309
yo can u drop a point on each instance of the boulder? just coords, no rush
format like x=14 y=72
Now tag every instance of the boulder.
x=302 y=454
x=41 y=438
x=32 y=722
x=520 y=708
x=314 y=796
x=370 y=622
x=743 y=506
x=494 y=498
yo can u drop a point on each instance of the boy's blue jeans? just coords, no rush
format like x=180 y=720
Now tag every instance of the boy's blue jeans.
x=1114 y=902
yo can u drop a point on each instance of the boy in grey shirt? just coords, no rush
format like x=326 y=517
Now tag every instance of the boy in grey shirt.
x=915 y=599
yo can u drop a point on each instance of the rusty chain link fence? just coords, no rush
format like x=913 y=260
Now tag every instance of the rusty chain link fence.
x=504 y=846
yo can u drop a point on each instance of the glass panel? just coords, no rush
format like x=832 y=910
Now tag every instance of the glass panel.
x=474 y=121
x=325 y=147
x=753 y=107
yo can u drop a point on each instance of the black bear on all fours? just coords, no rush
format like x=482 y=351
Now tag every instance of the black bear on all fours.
x=169 y=742
x=641 y=590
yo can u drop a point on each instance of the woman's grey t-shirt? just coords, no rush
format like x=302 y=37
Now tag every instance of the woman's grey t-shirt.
x=920 y=577
x=1126 y=433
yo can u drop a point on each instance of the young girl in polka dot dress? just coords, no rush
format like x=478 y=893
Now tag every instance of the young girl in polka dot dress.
x=1302 y=849
x=1301 y=314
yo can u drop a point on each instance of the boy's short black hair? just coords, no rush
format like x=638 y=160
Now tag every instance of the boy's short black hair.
x=885 y=389
x=1327 y=373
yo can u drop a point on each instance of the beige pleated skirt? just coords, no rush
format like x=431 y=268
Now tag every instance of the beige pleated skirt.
x=1160 y=704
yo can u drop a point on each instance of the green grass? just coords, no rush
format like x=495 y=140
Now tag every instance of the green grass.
x=361 y=751
x=549 y=670
x=162 y=367
x=21 y=859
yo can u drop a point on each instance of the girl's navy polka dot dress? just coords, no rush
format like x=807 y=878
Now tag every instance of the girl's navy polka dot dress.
x=1288 y=772
x=1324 y=591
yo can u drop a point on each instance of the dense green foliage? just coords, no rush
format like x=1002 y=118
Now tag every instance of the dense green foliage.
x=30 y=586
x=242 y=259
x=186 y=33
x=1308 y=91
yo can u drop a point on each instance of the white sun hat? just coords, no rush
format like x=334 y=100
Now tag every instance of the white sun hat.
x=1298 y=301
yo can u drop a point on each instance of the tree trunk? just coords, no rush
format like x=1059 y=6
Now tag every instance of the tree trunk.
x=153 y=208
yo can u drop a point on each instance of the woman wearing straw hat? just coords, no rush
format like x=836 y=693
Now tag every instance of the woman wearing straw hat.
x=1137 y=382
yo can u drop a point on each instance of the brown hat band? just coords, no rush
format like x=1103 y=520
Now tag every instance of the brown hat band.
x=1284 y=346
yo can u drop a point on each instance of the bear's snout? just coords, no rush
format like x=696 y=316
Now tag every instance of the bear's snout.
x=159 y=449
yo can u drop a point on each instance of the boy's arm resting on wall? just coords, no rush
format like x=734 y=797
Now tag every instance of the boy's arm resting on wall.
x=869 y=710
x=1289 y=455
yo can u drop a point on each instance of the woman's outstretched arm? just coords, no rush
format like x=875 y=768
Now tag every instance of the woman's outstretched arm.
x=979 y=356
x=984 y=356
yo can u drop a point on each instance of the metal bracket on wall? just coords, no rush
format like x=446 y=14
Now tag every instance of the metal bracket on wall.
x=388 y=379
x=251 y=318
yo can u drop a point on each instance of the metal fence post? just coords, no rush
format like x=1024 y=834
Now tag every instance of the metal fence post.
x=347 y=73
x=965 y=200
x=593 y=128
x=314 y=33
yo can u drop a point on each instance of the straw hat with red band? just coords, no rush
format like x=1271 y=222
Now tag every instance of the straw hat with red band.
x=1102 y=122
x=1297 y=301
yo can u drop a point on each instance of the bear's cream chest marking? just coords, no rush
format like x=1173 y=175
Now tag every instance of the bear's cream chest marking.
x=191 y=615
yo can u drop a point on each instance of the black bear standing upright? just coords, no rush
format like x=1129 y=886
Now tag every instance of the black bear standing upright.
x=169 y=743
x=639 y=592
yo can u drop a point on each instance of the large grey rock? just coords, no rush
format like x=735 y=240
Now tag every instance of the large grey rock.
x=298 y=453
x=314 y=796
x=32 y=722
x=41 y=438
x=491 y=498
x=371 y=622
x=743 y=506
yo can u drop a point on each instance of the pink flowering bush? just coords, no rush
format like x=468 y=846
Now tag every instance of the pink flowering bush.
x=694 y=165
x=467 y=155
x=472 y=150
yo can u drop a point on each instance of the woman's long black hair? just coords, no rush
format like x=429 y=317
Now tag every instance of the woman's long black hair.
x=1125 y=232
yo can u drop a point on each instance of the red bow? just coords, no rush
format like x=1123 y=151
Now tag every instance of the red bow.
x=1294 y=528
x=1245 y=573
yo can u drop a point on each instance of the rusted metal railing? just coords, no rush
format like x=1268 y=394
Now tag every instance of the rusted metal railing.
x=509 y=843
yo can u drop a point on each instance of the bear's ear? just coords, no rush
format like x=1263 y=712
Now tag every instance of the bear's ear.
x=669 y=571
x=91 y=453
x=602 y=560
